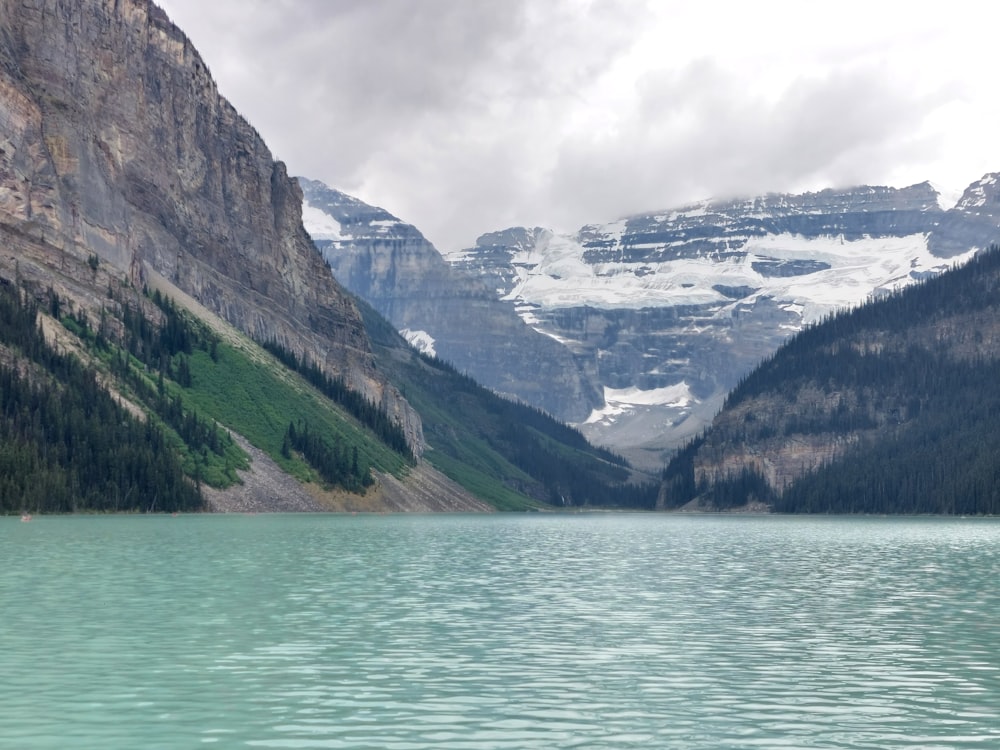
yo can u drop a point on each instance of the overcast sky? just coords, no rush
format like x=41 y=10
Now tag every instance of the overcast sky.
x=468 y=116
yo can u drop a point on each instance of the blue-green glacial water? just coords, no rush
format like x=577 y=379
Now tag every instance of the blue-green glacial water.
x=507 y=631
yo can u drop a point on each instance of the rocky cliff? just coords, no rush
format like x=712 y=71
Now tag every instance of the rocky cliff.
x=445 y=311
x=119 y=156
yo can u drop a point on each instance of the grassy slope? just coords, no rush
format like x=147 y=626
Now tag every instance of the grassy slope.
x=454 y=450
x=245 y=389
x=257 y=397
x=251 y=392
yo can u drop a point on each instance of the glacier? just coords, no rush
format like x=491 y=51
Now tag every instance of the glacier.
x=643 y=324
x=687 y=300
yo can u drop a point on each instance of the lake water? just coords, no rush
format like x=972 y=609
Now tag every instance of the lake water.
x=504 y=631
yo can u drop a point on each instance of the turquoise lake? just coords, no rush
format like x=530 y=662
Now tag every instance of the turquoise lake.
x=499 y=631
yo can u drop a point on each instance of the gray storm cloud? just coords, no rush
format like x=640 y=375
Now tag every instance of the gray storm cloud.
x=695 y=133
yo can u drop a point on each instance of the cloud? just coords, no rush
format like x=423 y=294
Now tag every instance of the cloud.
x=465 y=116
x=446 y=110
x=700 y=132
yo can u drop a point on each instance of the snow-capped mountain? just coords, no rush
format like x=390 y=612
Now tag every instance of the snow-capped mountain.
x=441 y=310
x=668 y=310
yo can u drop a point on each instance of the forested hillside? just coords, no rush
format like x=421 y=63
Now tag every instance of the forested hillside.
x=891 y=408
x=65 y=443
x=135 y=413
x=511 y=454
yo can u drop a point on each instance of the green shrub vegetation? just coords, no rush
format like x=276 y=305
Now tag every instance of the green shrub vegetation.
x=257 y=397
x=361 y=408
x=203 y=382
x=153 y=366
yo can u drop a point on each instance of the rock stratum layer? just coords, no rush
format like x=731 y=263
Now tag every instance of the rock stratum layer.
x=441 y=310
x=117 y=152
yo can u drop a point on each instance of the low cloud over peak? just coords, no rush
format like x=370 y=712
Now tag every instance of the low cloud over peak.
x=464 y=116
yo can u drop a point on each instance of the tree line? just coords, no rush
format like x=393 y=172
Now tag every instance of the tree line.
x=165 y=349
x=369 y=414
x=336 y=463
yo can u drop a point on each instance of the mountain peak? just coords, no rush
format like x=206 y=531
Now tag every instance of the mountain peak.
x=983 y=196
x=441 y=309
x=331 y=215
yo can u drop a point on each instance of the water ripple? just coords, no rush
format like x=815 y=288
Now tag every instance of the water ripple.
x=499 y=632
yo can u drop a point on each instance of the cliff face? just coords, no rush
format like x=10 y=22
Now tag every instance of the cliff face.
x=448 y=312
x=115 y=143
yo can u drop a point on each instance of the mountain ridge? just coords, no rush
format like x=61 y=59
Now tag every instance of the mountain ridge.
x=672 y=307
x=450 y=314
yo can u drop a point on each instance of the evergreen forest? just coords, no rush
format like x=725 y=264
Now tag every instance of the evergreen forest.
x=66 y=444
x=911 y=384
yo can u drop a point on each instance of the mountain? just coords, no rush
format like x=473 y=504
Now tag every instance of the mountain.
x=117 y=143
x=122 y=168
x=893 y=407
x=166 y=321
x=443 y=311
x=668 y=310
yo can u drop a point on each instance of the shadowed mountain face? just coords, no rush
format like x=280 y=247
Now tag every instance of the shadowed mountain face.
x=442 y=310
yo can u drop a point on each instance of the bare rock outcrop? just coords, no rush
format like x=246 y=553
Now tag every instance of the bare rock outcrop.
x=116 y=145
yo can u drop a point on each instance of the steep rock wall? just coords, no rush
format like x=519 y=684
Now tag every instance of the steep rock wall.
x=115 y=142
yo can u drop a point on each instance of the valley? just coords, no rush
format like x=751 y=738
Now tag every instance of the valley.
x=536 y=370
x=659 y=314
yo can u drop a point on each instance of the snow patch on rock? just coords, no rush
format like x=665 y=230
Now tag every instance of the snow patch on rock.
x=420 y=340
x=623 y=401
x=319 y=224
